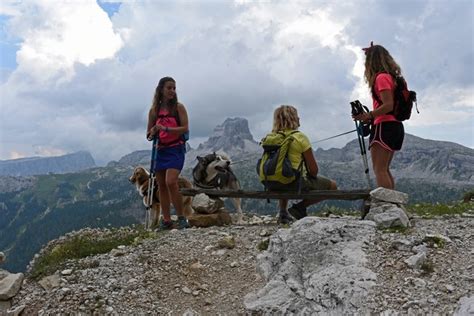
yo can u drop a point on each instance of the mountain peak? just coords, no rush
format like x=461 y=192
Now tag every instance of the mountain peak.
x=231 y=136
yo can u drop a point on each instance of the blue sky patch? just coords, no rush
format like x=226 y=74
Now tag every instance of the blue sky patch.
x=8 y=46
x=110 y=7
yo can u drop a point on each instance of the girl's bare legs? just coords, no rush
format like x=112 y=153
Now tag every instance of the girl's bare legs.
x=164 y=195
x=173 y=189
x=388 y=170
x=283 y=204
x=381 y=159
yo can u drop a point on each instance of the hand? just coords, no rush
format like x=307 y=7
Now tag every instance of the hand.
x=152 y=132
x=364 y=117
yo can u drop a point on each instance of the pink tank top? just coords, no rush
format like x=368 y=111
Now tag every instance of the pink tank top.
x=167 y=139
x=383 y=81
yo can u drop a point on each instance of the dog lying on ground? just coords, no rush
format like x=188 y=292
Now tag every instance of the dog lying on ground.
x=140 y=178
x=213 y=171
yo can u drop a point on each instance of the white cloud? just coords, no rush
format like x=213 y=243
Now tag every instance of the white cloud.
x=230 y=59
x=56 y=35
x=443 y=105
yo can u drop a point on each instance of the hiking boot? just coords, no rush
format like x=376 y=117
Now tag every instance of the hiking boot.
x=166 y=225
x=298 y=211
x=285 y=218
x=183 y=223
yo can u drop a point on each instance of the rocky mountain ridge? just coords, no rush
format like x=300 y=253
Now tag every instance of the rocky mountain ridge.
x=74 y=162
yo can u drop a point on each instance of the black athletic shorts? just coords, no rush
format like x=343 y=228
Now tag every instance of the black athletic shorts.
x=389 y=135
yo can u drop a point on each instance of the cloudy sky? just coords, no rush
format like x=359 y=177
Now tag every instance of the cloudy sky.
x=80 y=74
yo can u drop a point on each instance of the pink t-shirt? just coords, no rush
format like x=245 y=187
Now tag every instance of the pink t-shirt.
x=383 y=82
x=167 y=138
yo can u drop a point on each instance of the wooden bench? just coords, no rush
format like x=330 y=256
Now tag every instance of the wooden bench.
x=310 y=195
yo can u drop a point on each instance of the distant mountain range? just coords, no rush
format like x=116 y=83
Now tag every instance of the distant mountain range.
x=36 y=209
x=43 y=165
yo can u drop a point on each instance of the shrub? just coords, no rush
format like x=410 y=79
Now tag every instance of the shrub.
x=84 y=245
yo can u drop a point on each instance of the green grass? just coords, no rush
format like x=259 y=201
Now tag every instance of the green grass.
x=82 y=246
x=427 y=267
x=432 y=210
x=434 y=240
x=263 y=245
x=325 y=211
x=396 y=229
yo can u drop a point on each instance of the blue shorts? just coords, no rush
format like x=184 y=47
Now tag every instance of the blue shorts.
x=170 y=158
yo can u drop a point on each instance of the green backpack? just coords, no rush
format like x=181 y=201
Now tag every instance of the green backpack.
x=274 y=168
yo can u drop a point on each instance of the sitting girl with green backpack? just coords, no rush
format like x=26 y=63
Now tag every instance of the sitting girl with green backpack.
x=288 y=163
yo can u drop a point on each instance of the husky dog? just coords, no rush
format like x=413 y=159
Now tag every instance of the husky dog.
x=140 y=178
x=213 y=171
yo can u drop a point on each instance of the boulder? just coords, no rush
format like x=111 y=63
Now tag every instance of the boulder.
x=50 y=282
x=465 y=306
x=416 y=261
x=318 y=266
x=219 y=218
x=227 y=242
x=387 y=195
x=387 y=216
x=10 y=285
x=203 y=204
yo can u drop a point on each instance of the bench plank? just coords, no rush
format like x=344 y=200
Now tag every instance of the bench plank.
x=326 y=195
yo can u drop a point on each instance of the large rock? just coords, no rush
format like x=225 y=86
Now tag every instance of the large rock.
x=315 y=267
x=203 y=204
x=465 y=306
x=10 y=285
x=219 y=218
x=387 y=195
x=388 y=215
x=50 y=282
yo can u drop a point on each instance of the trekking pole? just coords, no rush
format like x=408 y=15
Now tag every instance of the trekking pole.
x=357 y=108
x=363 y=152
x=151 y=185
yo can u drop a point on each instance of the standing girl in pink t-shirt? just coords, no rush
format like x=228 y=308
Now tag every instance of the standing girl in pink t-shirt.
x=168 y=120
x=387 y=133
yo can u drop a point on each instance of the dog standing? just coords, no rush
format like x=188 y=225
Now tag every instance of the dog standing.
x=213 y=171
x=140 y=178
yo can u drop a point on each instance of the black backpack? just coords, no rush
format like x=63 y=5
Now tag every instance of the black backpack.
x=403 y=99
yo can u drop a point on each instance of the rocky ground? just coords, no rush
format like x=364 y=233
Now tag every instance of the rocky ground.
x=445 y=276
x=210 y=270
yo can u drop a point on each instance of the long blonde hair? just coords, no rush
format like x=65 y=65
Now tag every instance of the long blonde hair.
x=377 y=60
x=285 y=117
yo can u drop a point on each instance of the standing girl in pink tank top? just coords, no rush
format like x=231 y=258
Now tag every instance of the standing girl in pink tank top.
x=168 y=120
x=387 y=133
